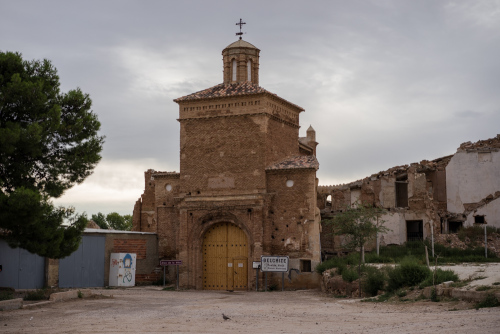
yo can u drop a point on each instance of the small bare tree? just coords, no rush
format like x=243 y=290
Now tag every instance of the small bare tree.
x=359 y=224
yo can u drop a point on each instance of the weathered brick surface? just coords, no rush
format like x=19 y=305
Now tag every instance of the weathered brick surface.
x=144 y=245
x=137 y=246
x=227 y=144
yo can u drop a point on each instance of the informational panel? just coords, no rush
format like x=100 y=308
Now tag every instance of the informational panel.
x=170 y=263
x=274 y=263
x=122 y=268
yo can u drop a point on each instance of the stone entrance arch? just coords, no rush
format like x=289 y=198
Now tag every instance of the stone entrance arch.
x=225 y=257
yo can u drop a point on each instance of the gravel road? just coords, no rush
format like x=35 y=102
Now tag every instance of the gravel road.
x=151 y=310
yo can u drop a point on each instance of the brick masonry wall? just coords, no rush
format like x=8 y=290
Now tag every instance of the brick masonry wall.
x=225 y=146
x=137 y=246
x=286 y=232
x=222 y=155
x=147 y=263
x=281 y=141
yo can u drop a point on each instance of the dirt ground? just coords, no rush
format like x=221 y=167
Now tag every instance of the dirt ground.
x=151 y=310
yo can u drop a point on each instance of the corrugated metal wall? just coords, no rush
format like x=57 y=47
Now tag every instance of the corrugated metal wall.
x=20 y=268
x=85 y=267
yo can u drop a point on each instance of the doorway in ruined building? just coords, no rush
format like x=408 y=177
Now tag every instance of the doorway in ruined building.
x=454 y=226
x=225 y=258
x=414 y=230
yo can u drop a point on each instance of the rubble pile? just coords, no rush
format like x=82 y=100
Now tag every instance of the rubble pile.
x=452 y=240
x=334 y=284
x=482 y=144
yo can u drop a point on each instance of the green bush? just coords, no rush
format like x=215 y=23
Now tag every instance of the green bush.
x=374 y=258
x=338 y=262
x=490 y=301
x=374 y=281
x=350 y=274
x=434 y=296
x=441 y=276
x=6 y=294
x=352 y=259
x=341 y=268
x=408 y=273
x=38 y=294
x=325 y=265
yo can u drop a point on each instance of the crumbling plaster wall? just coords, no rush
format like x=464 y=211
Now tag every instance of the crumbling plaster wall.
x=424 y=179
x=471 y=176
x=490 y=211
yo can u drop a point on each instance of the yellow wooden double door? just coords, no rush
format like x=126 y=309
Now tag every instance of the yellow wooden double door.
x=225 y=258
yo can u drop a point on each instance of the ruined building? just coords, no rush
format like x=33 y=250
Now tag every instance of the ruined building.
x=246 y=186
x=427 y=198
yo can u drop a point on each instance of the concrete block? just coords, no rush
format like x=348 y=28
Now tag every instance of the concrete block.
x=72 y=294
x=447 y=284
x=469 y=295
x=11 y=304
x=37 y=304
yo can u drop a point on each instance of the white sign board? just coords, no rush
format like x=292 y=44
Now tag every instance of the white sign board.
x=274 y=263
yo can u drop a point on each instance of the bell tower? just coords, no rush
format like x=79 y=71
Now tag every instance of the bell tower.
x=241 y=61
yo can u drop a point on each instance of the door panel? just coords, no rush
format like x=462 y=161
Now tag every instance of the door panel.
x=222 y=244
x=84 y=267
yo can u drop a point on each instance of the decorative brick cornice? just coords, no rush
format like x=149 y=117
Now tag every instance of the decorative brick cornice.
x=296 y=162
x=273 y=117
x=166 y=175
x=239 y=89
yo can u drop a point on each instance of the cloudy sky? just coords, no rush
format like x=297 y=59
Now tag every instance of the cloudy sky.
x=383 y=83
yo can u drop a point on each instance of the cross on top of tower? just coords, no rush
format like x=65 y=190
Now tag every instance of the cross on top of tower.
x=241 y=23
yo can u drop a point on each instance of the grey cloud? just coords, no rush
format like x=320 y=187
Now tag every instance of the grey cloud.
x=383 y=82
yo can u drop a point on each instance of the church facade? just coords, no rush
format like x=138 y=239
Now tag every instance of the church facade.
x=246 y=186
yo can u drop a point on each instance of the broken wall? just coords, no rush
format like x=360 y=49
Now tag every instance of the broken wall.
x=473 y=182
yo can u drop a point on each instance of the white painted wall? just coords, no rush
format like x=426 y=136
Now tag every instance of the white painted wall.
x=490 y=211
x=395 y=223
x=470 y=177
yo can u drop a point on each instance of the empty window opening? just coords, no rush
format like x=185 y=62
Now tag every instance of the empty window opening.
x=479 y=220
x=414 y=230
x=249 y=70
x=329 y=200
x=234 y=70
x=484 y=156
x=402 y=191
x=453 y=227
x=305 y=266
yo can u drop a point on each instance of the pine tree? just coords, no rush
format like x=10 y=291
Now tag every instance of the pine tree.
x=48 y=143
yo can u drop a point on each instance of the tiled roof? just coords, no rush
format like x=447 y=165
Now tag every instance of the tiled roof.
x=236 y=89
x=297 y=162
x=221 y=90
